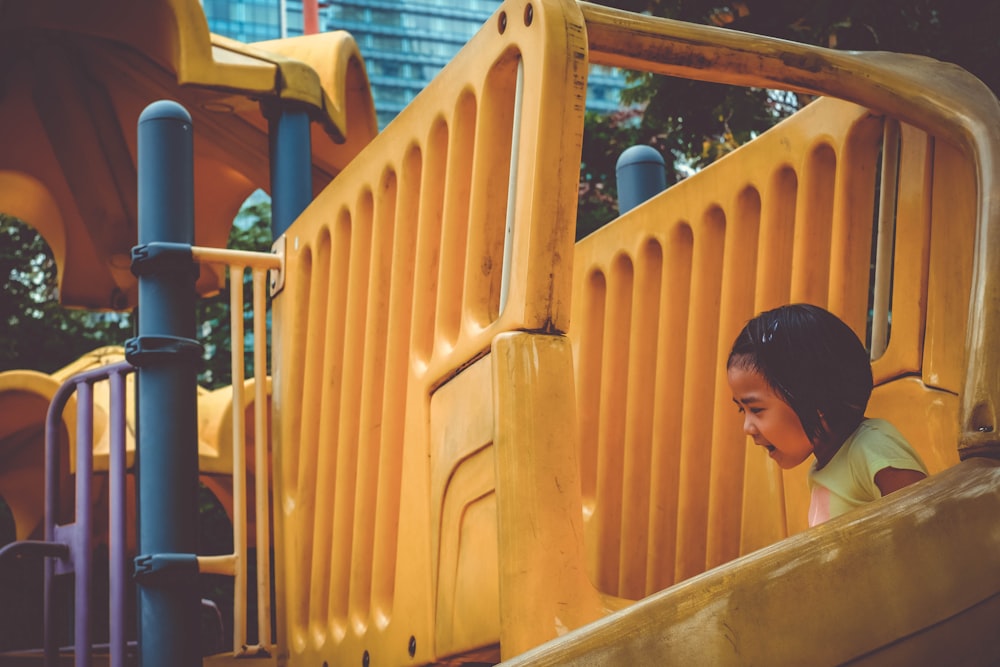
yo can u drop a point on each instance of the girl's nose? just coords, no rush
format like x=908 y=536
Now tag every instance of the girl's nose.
x=749 y=427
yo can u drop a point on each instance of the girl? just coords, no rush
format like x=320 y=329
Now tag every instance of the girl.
x=802 y=379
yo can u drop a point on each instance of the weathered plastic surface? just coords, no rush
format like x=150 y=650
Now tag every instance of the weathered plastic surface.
x=460 y=472
x=408 y=531
x=910 y=580
x=670 y=486
x=385 y=509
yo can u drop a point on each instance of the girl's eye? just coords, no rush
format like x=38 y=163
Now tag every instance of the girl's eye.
x=756 y=411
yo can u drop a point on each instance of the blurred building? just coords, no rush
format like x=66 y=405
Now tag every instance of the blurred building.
x=254 y=20
x=405 y=43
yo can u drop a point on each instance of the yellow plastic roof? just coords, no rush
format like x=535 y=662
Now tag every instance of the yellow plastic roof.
x=75 y=76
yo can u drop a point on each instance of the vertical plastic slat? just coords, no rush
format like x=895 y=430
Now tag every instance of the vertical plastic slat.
x=239 y=461
x=884 y=243
x=261 y=467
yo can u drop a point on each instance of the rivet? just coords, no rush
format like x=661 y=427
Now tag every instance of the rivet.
x=529 y=14
x=502 y=22
x=413 y=646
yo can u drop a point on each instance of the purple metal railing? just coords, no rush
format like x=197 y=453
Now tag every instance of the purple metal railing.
x=77 y=535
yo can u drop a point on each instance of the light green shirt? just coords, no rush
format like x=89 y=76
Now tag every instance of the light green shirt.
x=848 y=480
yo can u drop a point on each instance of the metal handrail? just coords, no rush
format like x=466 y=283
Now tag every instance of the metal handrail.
x=76 y=536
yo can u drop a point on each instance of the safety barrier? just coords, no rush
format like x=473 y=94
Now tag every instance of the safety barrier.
x=67 y=547
x=224 y=467
x=454 y=225
x=431 y=474
x=235 y=452
x=670 y=487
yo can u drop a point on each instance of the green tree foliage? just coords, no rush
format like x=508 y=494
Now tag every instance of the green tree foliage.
x=38 y=333
x=693 y=123
x=251 y=231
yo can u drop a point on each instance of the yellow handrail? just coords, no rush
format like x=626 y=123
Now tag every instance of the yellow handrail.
x=235 y=564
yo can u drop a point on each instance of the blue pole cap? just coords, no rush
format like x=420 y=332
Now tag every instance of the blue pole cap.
x=165 y=110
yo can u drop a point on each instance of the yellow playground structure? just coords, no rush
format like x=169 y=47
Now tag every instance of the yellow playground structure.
x=482 y=441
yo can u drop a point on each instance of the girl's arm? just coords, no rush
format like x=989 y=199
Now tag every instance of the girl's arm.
x=893 y=479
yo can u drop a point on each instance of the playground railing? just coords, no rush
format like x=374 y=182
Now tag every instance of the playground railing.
x=670 y=486
x=449 y=479
x=67 y=548
x=234 y=452
x=455 y=226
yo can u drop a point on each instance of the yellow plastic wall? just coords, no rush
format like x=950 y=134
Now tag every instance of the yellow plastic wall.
x=385 y=513
x=455 y=478
x=670 y=485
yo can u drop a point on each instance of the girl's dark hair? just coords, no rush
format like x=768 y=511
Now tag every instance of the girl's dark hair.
x=815 y=363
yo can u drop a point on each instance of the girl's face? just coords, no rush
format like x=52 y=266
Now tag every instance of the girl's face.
x=768 y=419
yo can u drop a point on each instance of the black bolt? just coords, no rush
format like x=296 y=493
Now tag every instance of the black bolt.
x=529 y=13
x=503 y=22
x=413 y=646
x=365 y=660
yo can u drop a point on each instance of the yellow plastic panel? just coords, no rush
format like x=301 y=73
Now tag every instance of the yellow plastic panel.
x=943 y=100
x=24 y=402
x=910 y=579
x=462 y=493
x=953 y=219
x=668 y=484
x=795 y=209
x=398 y=279
x=395 y=282
x=910 y=266
x=927 y=417
x=544 y=587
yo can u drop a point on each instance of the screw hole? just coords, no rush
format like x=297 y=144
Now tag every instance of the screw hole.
x=529 y=14
x=365 y=659
x=502 y=22
x=982 y=419
x=413 y=646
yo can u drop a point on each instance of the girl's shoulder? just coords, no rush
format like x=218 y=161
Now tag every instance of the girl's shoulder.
x=873 y=429
x=876 y=444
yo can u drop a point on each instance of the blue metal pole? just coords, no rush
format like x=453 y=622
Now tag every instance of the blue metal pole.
x=291 y=167
x=168 y=358
x=641 y=173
